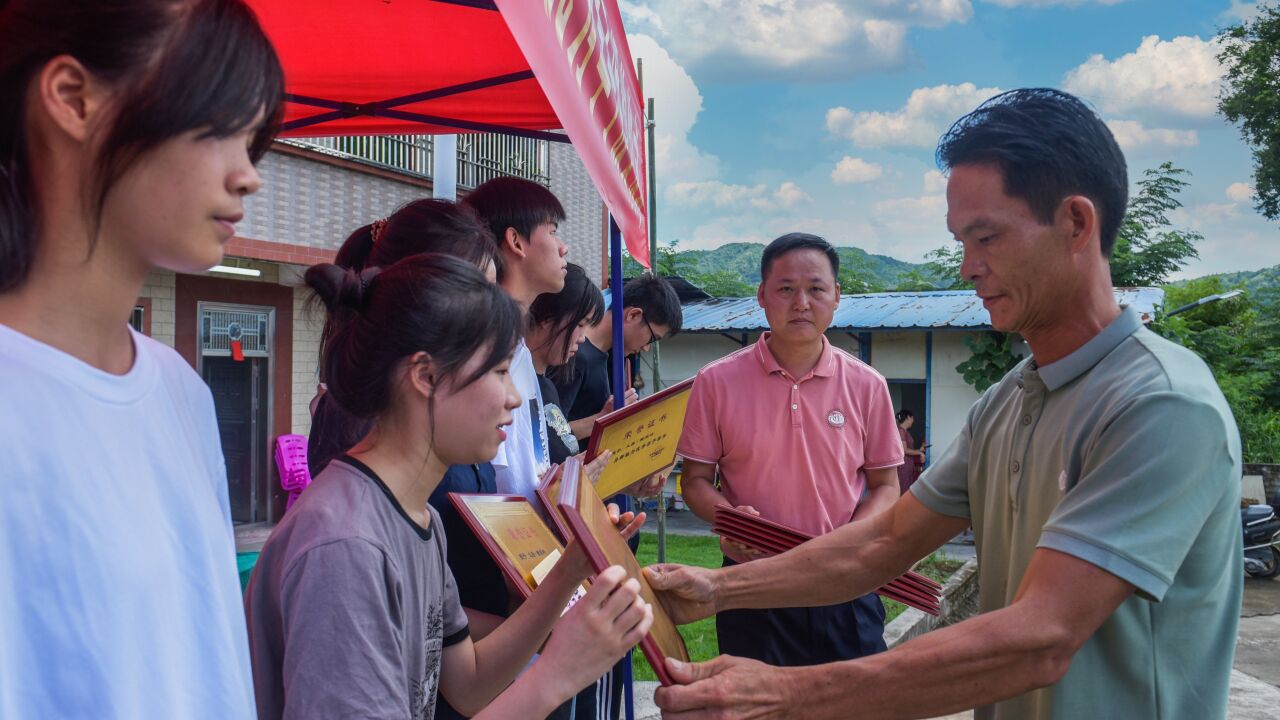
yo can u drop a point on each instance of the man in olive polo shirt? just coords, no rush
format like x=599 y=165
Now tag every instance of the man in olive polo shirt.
x=1101 y=476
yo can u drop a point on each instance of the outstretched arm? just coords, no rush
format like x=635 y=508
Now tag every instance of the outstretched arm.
x=848 y=562
x=1061 y=603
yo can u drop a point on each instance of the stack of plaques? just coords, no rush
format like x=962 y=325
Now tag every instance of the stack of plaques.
x=771 y=538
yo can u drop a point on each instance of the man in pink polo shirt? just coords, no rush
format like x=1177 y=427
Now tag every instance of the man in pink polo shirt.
x=802 y=433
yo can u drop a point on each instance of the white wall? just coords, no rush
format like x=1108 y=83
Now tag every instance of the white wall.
x=898 y=355
x=952 y=396
x=682 y=356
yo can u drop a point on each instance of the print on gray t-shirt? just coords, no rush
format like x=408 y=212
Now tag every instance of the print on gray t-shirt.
x=365 y=598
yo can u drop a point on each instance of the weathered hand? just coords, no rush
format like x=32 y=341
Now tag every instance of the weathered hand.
x=727 y=687
x=688 y=593
x=627 y=523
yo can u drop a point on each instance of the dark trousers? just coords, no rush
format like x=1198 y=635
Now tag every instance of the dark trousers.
x=804 y=635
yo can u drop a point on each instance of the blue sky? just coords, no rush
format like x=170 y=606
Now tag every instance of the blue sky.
x=822 y=115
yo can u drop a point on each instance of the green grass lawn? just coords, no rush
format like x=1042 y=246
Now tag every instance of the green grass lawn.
x=704 y=551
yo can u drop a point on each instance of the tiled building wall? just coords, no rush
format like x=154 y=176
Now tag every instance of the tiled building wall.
x=307 y=324
x=584 y=227
x=159 y=287
x=309 y=202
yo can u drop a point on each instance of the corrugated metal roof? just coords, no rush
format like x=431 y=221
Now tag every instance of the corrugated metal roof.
x=884 y=311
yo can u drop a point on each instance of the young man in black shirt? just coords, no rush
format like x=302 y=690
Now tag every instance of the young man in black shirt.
x=651 y=312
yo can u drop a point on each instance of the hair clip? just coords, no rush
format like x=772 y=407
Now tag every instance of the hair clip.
x=376 y=232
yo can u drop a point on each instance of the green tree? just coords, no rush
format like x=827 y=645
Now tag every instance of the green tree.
x=857 y=275
x=1147 y=248
x=1251 y=98
x=944 y=264
x=992 y=357
x=1239 y=341
x=723 y=283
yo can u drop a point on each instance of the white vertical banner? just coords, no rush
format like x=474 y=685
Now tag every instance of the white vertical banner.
x=444 y=170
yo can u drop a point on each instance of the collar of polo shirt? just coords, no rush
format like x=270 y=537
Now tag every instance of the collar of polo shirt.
x=826 y=366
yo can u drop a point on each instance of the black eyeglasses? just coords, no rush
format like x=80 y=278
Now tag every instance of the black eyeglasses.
x=653 y=336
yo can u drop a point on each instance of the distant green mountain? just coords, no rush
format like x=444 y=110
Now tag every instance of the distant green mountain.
x=1253 y=281
x=742 y=261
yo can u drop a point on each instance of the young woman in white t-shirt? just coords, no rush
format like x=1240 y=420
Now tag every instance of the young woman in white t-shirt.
x=337 y=601
x=128 y=136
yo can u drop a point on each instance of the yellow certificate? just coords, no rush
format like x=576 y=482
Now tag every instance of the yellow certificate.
x=643 y=437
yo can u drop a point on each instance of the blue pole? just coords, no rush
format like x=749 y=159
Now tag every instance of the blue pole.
x=620 y=384
x=928 y=392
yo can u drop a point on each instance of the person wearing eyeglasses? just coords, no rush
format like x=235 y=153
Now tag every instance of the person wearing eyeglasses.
x=650 y=312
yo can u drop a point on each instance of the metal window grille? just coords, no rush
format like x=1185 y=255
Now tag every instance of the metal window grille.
x=219 y=327
x=481 y=157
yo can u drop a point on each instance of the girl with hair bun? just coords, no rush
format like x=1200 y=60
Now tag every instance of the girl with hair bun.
x=421 y=226
x=352 y=609
x=129 y=131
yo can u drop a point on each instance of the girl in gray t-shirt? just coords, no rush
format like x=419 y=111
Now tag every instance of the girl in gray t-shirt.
x=352 y=609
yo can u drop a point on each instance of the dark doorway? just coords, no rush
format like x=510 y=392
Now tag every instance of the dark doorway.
x=910 y=395
x=239 y=399
x=235 y=361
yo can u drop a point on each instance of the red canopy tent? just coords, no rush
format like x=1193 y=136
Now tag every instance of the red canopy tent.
x=370 y=67
x=521 y=67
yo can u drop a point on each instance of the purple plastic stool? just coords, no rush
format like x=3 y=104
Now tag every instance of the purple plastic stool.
x=291 y=461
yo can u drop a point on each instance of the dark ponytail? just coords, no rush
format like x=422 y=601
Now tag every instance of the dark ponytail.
x=176 y=66
x=903 y=415
x=429 y=303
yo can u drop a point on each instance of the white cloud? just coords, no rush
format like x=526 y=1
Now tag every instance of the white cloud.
x=852 y=170
x=1233 y=239
x=934 y=182
x=1179 y=78
x=1045 y=3
x=789 y=195
x=1132 y=135
x=1242 y=11
x=677 y=104
x=717 y=194
x=912 y=226
x=933 y=207
x=919 y=123
x=713 y=193
x=722 y=231
x=1240 y=192
x=802 y=39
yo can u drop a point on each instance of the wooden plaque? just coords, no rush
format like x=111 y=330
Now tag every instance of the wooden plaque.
x=513 y=533
x=588 y=521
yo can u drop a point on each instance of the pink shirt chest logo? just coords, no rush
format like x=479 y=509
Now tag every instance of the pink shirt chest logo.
x=835 y=419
